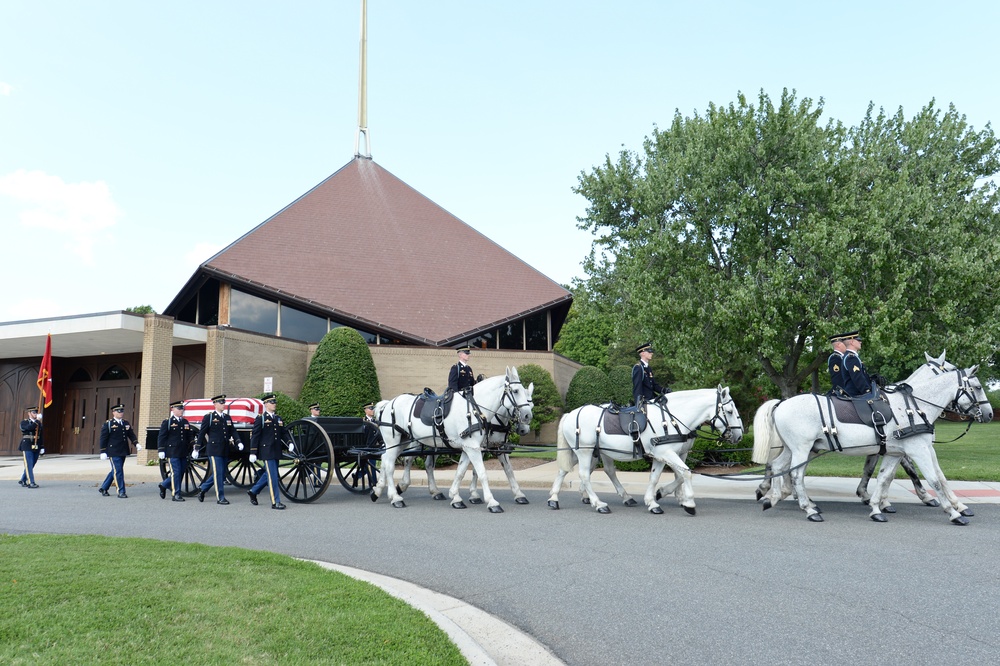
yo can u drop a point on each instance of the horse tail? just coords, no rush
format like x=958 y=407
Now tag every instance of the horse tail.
x=766 y=443
x=565 y=457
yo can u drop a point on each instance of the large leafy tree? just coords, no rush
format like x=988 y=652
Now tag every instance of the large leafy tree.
x=740 y=239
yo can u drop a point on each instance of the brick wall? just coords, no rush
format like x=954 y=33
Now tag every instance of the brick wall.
x=236 y=363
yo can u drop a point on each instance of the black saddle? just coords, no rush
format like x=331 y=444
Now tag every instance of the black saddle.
x=871 y=409
x=631 y=421
x=431 y=408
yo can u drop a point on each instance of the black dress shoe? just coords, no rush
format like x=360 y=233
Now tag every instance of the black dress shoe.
x=278 y=506
x=163 y=493
x=122 y=496
x=104 y=492
x=23 y=483
x=253 y=497
x=223 y=501
x=201 y=495
x=32 y=485
x=176 y=498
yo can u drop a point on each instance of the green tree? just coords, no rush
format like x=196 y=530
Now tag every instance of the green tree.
x=748 y=235
x=545 y=398
x=589 y=386
x=588 y=331
x=341 y=375
x=141 y=309
x=620 y=382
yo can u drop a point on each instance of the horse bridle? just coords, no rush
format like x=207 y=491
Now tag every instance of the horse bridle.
x=514 y=412
x=720 y=415
x=964 y=389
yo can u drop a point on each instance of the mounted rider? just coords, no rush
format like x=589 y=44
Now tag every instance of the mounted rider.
x=644 y=387
x=835 y=364
x=461 y=377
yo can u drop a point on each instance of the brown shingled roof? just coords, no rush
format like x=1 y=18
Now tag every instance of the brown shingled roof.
x=366 y=245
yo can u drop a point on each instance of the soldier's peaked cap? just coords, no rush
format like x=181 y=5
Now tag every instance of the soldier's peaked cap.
x=465 y=349
x=219 y=398
x=315 y=405
x=646 y=346
x=269 y=398
x=118 y=408
x=841 y=337
x=179 y=404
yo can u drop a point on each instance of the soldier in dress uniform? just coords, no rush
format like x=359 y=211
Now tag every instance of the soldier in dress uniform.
x=266 y=440
x=31 y=446
x=217 y=431
x=644 y=387
x=857 y=381
x=835 y=364
x=116 y=437
x=373 y=440
x=314 y=410
x=175 y=443
x=461 y=377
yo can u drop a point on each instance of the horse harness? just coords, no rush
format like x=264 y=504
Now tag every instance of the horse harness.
x=876 y=412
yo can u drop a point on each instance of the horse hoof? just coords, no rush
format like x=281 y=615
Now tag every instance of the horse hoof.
x=458 y=505
x=520 y=500
x=767 y=504
x=496 y=509
x=864 y=501
x=373 y=496
x=759 y=495
x=399 y=504
x=932 y=502
x=586 y=500
x=968 y=513
x=475 y=500
x=961 y=520
x=879 y=518
x=631 y=502
x=815 y=518
x=439 y=496
x=655 y=510
x=690 y=510
x=888 y=508
x=554 y=505
x=604 y=509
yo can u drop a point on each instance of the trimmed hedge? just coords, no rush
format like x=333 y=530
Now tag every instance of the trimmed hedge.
x=341 y=376
x=620 y=382
x=289 y=409
x=547 y=401
x=589 y=386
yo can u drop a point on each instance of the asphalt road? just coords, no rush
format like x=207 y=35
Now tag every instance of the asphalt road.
x=730 y=585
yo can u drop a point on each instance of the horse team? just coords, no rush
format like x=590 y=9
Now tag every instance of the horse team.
x=787 y=435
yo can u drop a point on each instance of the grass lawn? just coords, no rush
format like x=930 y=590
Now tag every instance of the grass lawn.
x=90 y=600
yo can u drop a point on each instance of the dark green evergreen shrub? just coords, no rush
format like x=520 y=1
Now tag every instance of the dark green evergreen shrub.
x=341 y=376
x=546 y=399
x=589 y=386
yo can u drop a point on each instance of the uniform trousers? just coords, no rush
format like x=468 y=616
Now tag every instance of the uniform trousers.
x=216 y=477
x=117 y=474
x=30 y=458
x=173 y=483
x=268 y=477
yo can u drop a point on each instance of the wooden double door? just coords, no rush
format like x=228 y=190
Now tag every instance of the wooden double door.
x=86 y=408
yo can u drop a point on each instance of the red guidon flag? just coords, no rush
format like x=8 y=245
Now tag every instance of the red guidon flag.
x=45 y=375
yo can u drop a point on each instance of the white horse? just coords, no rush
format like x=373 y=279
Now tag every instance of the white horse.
x=511 y=416
x=667 y=438
x=463 y=429
x=795 y=428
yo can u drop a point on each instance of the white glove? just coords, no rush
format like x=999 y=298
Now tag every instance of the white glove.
x=291 y=447
x=240 y=446
x=162 y=455
x=194 y=454
x=42 y=452
x=138 y=446
x=104 y=456
x=253 y=458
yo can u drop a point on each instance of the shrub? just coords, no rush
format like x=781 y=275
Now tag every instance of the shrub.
x=589 y=386
x=341 y=376
x=620 y=381
x=547 y=401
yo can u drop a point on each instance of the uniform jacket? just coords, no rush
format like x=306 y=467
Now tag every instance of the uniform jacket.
x=176 y=437
x=643 y=384
x=267 y=436
x=117 y=438
x=835 y=365
x=31 y=436
x=460 y=377
x=856 y=379
x=216 y=430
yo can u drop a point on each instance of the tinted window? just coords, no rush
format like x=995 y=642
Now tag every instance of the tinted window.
x=253 y=313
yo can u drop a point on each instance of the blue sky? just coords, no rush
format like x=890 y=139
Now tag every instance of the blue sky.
x=138 y=138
